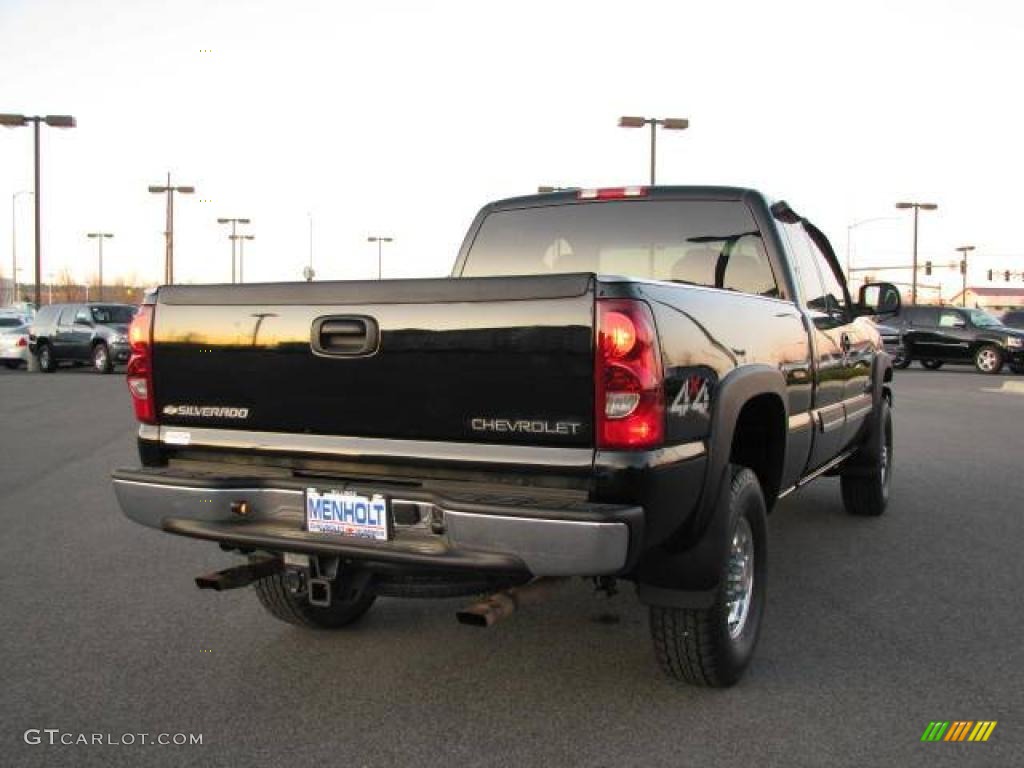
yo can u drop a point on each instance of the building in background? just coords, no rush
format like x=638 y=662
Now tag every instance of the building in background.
x=990 y=297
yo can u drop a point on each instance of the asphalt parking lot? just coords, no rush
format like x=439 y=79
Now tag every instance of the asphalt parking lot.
x=873 y=627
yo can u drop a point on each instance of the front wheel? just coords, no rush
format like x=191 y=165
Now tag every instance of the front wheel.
x=865 y=486
x=280 y=601
x=988 y=359
x=713 y=646
x=901 y=360
x=932 y=365
x=101 y=361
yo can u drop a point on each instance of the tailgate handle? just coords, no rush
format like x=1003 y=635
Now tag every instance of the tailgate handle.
x=345 y=336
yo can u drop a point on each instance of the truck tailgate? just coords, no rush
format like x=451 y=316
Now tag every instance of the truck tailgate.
x=493 y=360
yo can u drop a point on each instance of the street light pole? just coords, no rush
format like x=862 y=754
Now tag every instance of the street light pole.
x=849 y=230
x=964 y=250
x=233 y=237
x=54 y=121
x=917 y=207
x=169 y=190
x=379 y=240
x=241 y=252
x=668 y=123
x=14 y=243
x=100 y=237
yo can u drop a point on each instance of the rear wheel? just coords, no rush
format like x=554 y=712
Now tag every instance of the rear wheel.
x=865 y=487
x=713 y=646
x=101 y=361
x=989 y=359
x=281 y=602
x=47 y=362
x=932 y=365
x=901 y=359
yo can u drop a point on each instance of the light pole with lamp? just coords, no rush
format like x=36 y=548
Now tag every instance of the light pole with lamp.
x=169 y=190
x=14 y=243
x=668 y=123
x=233 y=237
x=917 y=207
x=379 y=240
x=849 y=244
x=54 y=121
x=100 y=237
x=241 y=252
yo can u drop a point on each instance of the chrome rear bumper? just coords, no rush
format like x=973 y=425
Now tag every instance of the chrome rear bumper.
x=545 y=537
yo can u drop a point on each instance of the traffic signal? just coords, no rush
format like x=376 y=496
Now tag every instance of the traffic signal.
x=1006 y=275
x=927 y=267
x=990 y=275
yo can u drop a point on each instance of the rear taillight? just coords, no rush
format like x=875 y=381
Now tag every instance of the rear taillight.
x=22 y=342
x=140 y=365
x=629 y=398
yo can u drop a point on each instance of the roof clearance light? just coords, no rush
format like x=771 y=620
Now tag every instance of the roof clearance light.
x=612 y=193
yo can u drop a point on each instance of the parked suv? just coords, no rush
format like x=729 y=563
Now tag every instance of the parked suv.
x=1013 y=319
x=81 y=333
x=939 y=335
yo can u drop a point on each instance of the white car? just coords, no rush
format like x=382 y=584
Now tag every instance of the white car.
x=14 y=341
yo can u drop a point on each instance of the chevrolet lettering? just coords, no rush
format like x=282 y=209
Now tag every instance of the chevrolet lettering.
x=613 y=384
x=526 y=426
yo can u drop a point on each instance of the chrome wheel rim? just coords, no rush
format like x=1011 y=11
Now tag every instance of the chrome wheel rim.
x=987 y=360
x=100 y=358
x=884 y=469
x=740 y=579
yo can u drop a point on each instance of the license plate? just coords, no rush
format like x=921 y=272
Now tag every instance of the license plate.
x=347 y=514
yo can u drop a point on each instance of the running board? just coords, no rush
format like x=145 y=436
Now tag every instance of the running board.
x=818 y=472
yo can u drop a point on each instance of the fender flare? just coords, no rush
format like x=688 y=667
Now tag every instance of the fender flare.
x=688 y=575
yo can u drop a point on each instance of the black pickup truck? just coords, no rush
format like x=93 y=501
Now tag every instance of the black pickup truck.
x=614 y=384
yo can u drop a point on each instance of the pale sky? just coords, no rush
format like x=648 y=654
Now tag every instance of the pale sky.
x=403 y=118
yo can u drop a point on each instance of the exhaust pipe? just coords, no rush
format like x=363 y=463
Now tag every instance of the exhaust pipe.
x=493 y=608
x=239 y=576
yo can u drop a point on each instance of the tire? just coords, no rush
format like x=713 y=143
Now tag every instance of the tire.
x=712 y=646
x=932 y=365
x=901 y=361
x=281 y=603
x=989 y=359
x=865 y=487
x=101 y=361
x=47 y=363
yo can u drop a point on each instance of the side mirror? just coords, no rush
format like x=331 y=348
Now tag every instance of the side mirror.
x=879 y=299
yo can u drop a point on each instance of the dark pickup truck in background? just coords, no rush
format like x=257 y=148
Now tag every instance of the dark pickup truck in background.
x=615 y=383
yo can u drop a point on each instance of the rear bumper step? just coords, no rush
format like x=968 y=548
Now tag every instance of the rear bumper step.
x=492 y=532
